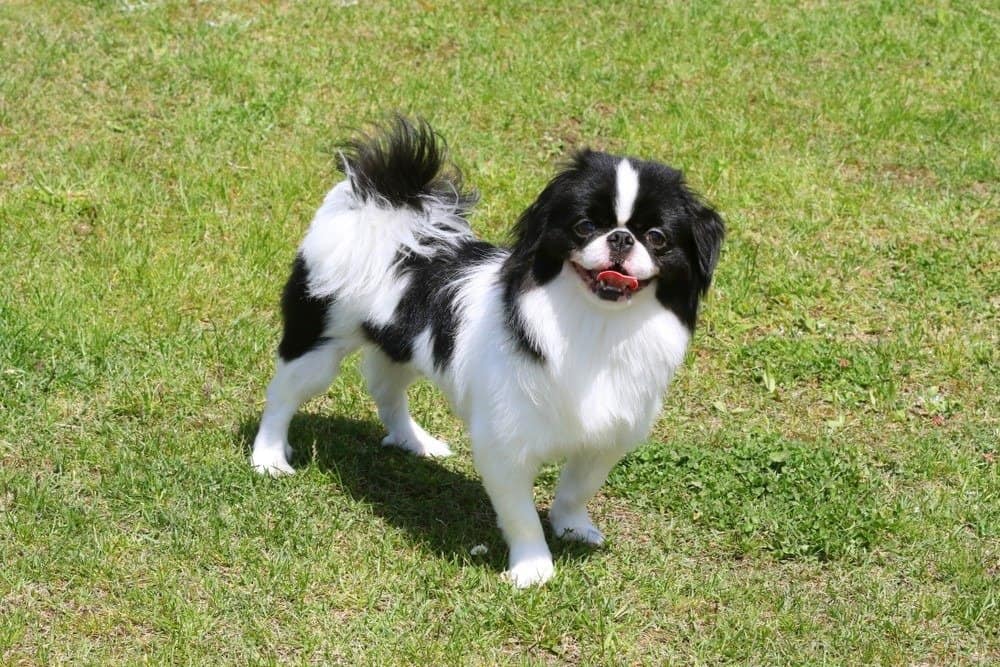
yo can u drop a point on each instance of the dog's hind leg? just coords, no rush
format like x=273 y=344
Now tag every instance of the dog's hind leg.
x=387 y=383
x=295 y=381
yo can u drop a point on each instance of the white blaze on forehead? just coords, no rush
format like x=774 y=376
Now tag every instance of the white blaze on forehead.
x=626 y=189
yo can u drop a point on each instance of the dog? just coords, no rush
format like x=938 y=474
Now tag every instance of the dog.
x=558 y=347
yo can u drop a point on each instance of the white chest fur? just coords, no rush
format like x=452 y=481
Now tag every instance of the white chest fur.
x=601 y=384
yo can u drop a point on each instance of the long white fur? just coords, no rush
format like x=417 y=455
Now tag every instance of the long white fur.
x=606 y=369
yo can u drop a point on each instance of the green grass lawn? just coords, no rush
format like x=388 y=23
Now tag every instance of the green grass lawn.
x=823 y=486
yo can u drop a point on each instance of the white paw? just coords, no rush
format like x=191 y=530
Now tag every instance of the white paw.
x=576 y=527
x=272 y=462
x=419 y=444
x=533 y=571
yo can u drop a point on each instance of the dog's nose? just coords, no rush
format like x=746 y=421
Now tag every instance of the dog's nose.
x=620 y=240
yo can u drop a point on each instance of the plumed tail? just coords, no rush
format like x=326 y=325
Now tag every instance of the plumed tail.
x=403 y=164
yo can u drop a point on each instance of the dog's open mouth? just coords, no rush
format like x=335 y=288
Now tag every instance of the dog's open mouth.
x=612 y=283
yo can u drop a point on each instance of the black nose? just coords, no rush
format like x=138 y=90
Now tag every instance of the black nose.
x=620 y=240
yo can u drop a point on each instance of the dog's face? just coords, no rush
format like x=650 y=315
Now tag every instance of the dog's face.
x=623 y=225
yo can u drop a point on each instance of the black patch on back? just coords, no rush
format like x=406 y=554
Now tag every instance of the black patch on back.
x=305 y=316
x=393 y=339
x=429 y=302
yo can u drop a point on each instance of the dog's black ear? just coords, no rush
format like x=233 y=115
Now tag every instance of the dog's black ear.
x=530 y=226
x=528 y=229
x=533 y=241
x=537 y=242
x=708 y=232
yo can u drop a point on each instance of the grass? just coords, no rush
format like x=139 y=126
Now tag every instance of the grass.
x=822 y=486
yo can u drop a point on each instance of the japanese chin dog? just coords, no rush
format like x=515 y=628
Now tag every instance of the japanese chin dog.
x=559 y=347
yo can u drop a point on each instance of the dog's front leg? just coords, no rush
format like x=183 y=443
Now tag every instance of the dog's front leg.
x=510 y=486
x=581 y=478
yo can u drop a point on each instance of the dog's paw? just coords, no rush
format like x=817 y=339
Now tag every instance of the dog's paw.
x=421 y=444
x=273 y=463
x=530 y=571
x=576 y=527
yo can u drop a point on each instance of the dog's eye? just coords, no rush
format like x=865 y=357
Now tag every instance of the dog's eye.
x=584 y=228
x=656 y=238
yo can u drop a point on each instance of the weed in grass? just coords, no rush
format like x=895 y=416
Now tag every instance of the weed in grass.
x=767 y=494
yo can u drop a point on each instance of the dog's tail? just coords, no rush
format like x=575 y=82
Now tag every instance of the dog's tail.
x=402 y=164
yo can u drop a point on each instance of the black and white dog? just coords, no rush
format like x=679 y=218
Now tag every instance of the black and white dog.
x=559 y=347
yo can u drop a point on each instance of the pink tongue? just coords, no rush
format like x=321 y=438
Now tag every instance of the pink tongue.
x=618 y=280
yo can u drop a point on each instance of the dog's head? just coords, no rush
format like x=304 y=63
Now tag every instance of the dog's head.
x=622 y=225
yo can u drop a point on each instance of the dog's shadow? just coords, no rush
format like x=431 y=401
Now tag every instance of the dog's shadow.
x=445 y=511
